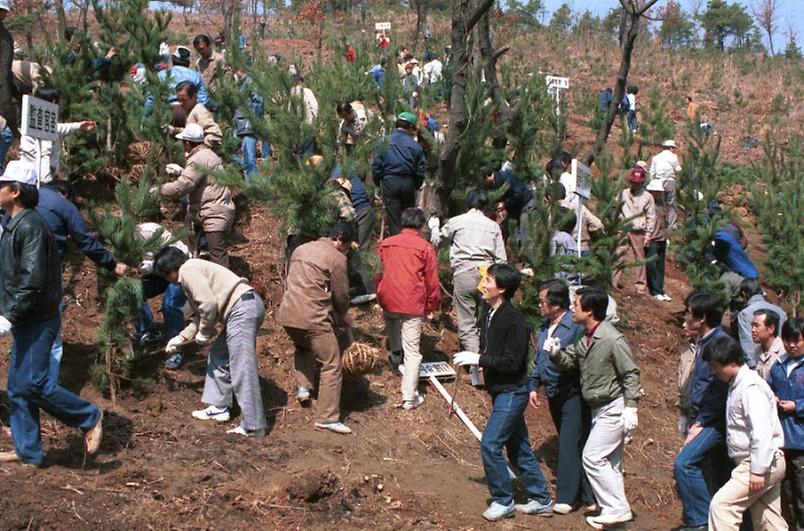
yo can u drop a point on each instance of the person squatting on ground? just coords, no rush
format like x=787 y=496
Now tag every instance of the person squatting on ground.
x=30 y=295
x=398 y=169
x=211 y=209
x=703 y=453
x=610 y=386
x=569 y=412
x=408 y=290
x=754 y=438
x=316 y=299
x=639 y=211
x=787 y=382
x=214 y=295
x=504 y=342
x=475 y=241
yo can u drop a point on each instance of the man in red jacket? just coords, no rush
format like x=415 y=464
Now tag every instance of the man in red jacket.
x=408 y=289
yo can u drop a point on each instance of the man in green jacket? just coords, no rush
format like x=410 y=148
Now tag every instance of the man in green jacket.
x=610 y=385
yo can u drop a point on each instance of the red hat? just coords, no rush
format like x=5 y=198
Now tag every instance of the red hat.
x=637 y=175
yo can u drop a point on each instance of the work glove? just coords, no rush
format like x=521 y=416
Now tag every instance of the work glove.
x=201 y=338
x=552 y=346
x=173 y=169
x=173 y=345
x=5 y=326
x=434 y=223
x=146 y=267
x=630 y=421
x=466 y=358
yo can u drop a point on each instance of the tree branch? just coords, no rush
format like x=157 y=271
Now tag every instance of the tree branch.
x=500 y=52
x=484 y=6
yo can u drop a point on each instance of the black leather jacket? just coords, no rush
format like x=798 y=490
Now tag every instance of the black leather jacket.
x=30 y=270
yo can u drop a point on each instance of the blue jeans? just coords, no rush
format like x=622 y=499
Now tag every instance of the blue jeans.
x=506 y=427
x=249 y=160
x=6 y=137
x=572 y=420
x=655 y=269
x=632 y=121
x=172 y=304
x=30 y=389
x=692 y=488
x=267 y=153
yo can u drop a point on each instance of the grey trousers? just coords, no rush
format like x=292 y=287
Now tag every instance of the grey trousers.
x=602 y=458
x=232 y=366
x=670 y=200
x=467 y=300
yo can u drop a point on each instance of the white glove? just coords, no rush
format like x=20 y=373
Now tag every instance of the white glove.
x=434 y=223
x=466 y=358
x=147 y=267
x=5 y=326
x=173 y=169
x=173 y=345
x=552 y=346
x=630 y=421
x=201 y=338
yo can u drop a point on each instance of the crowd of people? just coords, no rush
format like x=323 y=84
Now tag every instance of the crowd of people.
x=741 y=393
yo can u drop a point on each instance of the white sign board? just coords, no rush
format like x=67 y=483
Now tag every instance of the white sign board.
x=39 y=118
x=381 y=26
x=557 y=82
x=583 y=179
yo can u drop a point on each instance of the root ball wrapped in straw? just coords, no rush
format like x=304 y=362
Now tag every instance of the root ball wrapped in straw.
x=360 y=358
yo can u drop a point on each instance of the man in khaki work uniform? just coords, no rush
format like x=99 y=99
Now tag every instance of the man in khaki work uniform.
x=208 y=60
x=210 y=204
x=187 y=97
x=317 y=298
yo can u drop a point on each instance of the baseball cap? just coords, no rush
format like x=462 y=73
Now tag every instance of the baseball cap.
x=192 y=133
x=5 y=5
x=637 y=175
x=19 y=171
x=407 y=117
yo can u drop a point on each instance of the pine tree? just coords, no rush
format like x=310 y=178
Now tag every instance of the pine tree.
x=656 y=125
x=792 y=51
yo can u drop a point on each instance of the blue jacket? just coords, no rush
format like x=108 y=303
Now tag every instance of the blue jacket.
x=398 y=155
x=555 y=381
x=732 y=257
x=790 y=388
x=604 y=101
x=378 y=74
x=518 y=194
x=707 y=393
x=176 y=75
x=65 y=220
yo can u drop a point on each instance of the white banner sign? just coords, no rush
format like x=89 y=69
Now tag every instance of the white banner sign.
x=557 y=82
x=380 y=26
x=583 y=179
x=39 y=118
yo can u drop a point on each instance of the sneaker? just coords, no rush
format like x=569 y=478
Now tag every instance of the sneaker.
x=497 y=511
x=337 y=427
x=240 y=430
x=667 y=298
x=146 y=338
x=562 y=508
x=534 y=507
x=218 y=414
x=591 y=508
x=303 y=394
x=92 y=438
x=362 y=299
x=413 y=404
x=9 y=457
x=606 y=521
x=174 y=361
x=395 y=358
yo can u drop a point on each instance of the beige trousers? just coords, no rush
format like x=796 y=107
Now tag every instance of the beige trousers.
x=633 y=251
x=733 y=499
x=404 y=333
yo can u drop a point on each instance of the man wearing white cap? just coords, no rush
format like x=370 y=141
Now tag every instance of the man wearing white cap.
x=30 y=293
x=8 y=111
x=211 y=209
x=665 y=167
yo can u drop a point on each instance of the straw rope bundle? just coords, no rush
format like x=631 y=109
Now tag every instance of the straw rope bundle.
x=360 y=358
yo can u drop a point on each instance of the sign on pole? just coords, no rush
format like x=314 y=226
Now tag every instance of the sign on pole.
x=582 y=176
x=555 y=84
x=39 y=118
x=382 y=26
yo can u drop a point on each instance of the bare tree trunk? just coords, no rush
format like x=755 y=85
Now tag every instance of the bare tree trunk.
x=490 y=56
x=462 y=24
x=421 y=22
x=61 y=17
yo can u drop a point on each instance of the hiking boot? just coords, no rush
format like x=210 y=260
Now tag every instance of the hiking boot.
x=303 y=394
x=240 y=430
x=218 y=414
x=497 y=511
x=337 y=427
x=92 y=438
x=174 y=361
x=413 y=404
x=534 y=507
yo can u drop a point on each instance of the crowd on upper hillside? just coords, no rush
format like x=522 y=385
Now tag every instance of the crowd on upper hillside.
x=740 y=386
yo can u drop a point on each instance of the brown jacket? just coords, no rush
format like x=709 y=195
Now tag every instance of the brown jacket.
x=640 y=209
x=208 y=67
x=316 y=285
x=211 y=204
x=212 y=131
x=212 y=291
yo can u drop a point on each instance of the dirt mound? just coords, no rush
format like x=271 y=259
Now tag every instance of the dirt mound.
x=312 y=487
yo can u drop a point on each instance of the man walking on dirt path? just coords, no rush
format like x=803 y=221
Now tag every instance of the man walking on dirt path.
x=214 y=295
x=639 y=208
x=30 y=276
x=316 y=299
x=504 y=342
x=610 y=386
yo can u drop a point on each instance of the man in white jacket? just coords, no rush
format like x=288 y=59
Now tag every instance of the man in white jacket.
x=754 y=439
x=665 y=167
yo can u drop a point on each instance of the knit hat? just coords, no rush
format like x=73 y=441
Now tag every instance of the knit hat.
x=637 y=175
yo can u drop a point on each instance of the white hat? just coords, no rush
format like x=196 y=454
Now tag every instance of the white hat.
x=669 y=143
x=19 y=171
x=642 y=164
x=5 y=5
x=192 y=133
x=655 y=185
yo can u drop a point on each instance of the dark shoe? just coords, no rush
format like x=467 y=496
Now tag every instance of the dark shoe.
x=396 y=358
x=146 y=338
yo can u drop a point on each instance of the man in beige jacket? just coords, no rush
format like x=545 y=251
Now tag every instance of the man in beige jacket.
x=316 y=299
x=211 y=208
x=187 y=97
x=215 y=294
x=639 y=209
